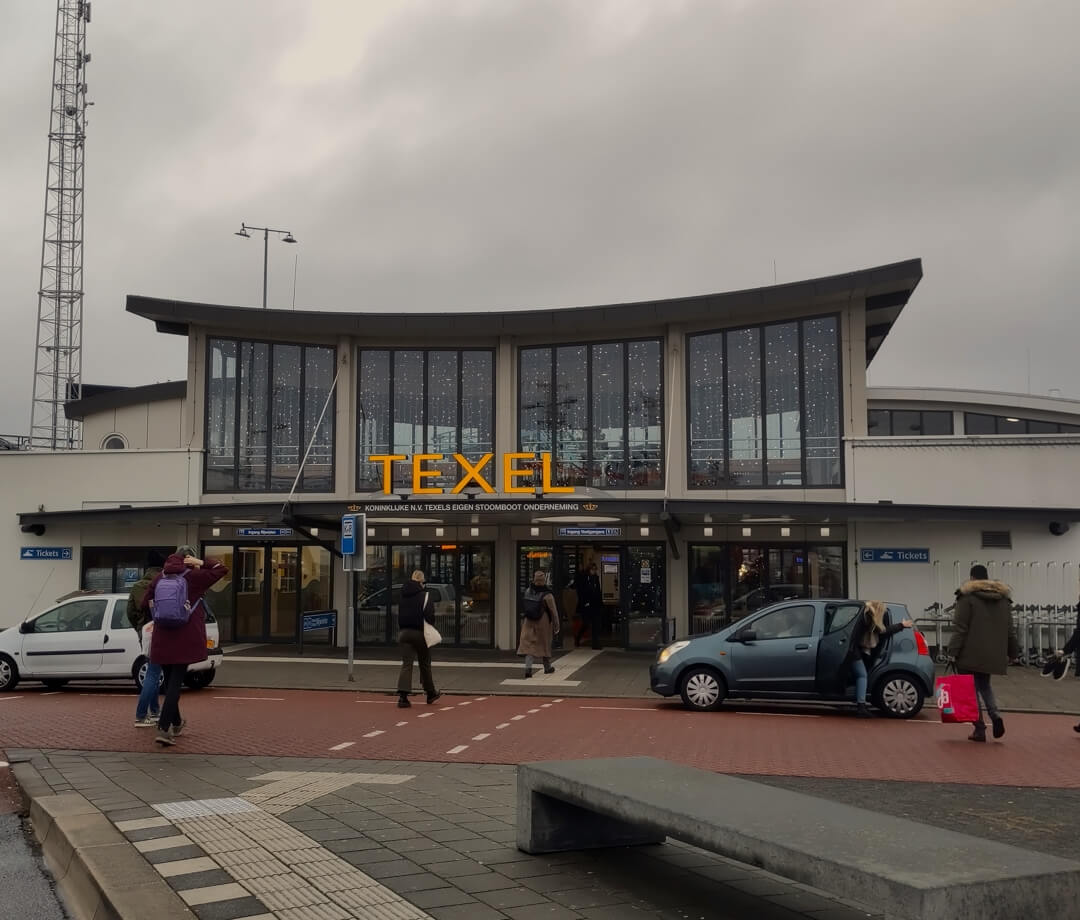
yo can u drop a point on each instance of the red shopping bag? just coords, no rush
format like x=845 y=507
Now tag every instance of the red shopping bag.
x=956 y=698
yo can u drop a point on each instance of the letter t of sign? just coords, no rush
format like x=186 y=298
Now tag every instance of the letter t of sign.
x=387 y=460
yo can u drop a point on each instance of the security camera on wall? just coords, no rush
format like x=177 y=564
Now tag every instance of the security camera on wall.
x=1059 y=528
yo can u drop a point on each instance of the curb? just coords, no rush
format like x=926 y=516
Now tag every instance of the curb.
x=99 y=874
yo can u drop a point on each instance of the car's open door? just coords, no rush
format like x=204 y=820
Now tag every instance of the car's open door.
x=832 y=678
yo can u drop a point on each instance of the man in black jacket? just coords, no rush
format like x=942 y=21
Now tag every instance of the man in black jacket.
x=414 y=608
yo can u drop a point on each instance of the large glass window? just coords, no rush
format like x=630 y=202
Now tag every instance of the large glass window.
x=598 y=409
x=264 y=401
x=978 y=423
x=899 y=423
x=439 y=401
x=763 y=406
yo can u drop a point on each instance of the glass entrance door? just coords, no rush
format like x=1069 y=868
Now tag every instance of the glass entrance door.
x=646 y=588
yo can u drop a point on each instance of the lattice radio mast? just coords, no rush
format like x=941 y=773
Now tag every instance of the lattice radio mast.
x=58 y=357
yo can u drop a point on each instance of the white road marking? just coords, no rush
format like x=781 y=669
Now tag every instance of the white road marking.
x=774 y=715
x=479 y=699
x=466 y=703
x=377 y=702
x=481 y=737
x=342 y=746
x=533 y=711
x=516 y=718
x=401 y=723
x=547 y=681
x=425 y=715
x=8 y=699
x=545 y=705
x=458 y=749
x=558 y=701
x=4 y=763
x=374 y=734
x=252 y=699
x=504 y=725
x=52 y=693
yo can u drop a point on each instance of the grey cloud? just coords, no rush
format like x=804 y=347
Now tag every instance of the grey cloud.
x=486 y=155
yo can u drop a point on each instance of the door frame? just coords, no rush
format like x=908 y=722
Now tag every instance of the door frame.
x=267 y=547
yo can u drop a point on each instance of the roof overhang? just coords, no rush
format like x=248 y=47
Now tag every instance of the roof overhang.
x=120 y=397
x=886 y=289
x=327 y=515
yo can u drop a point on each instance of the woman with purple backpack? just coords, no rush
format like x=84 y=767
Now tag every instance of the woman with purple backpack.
x=179 y=636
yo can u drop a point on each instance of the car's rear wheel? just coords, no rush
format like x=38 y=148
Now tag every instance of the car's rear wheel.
x=899 y=696
x=9 y=674
x=703 y=689
x=55 y=684
x=197 y=680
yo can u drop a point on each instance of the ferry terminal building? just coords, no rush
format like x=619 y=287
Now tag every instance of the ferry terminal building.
x=710 y=454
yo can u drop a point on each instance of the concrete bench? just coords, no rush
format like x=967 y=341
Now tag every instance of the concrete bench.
x=907 y=870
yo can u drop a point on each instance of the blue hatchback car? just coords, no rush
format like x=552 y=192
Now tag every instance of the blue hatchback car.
x=794 y=650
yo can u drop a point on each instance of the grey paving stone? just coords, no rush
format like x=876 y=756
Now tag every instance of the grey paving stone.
x=200 y=879
x=386 y=834
x=467 y=912
x=802 y=901
x=455 y=834
x=543 y=912
x=414 y=845
x=440 y=897
x=385 y=871
x=153 y=833
x=188 y=851
x=457 y=868
x=362 y=858
x=489 y=881
x=435 y=854
x=133 y=814
x=581 y=898
x=725 y=873
x=841 y=913
x=760 y=887
x=339 y=832
x=233 y=909
x=419 y=881
x=351 y=845
x=510 y=897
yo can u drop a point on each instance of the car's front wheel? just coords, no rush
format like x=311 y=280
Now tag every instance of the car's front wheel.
x=899 y=696
x=197 y=680
x=703 y=689
x=9 y=674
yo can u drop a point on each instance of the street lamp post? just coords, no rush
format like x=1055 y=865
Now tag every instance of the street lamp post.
x=266 y=231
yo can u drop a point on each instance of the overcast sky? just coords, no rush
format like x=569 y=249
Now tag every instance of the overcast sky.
x=471 y=154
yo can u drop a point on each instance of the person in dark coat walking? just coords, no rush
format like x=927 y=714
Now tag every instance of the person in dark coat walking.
x=590 y=605
x=1059 y=662
x=983 y=641
x=176 y=647
x=867 y=639
x=415 y=607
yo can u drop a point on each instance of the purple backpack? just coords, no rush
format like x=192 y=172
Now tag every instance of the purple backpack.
x=171 y=607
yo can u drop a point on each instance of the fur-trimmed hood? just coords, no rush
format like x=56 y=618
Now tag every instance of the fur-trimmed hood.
x=987 y=588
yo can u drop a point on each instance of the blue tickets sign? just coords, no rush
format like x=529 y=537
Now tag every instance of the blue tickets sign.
x=894 y=555
x=61 y=553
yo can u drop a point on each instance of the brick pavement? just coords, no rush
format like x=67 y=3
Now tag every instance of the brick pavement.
x=430 y=840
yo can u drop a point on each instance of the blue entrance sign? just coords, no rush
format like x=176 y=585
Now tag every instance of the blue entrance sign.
x=45 y=552
x=590 y=531
x=264 y=531
x=322 y=619
x=894 y=555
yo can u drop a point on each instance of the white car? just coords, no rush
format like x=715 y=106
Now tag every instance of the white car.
x=88 y=637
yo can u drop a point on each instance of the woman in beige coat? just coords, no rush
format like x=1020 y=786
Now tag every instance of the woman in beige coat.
x=539 y=623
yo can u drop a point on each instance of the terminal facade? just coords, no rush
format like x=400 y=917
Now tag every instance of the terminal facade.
x=709 y=454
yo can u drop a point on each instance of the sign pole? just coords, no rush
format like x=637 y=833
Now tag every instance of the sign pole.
x=351 y=588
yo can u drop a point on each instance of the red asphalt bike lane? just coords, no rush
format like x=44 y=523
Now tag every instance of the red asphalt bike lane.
x=1038 y=750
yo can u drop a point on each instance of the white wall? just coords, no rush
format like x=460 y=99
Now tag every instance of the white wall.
x=154 y=425
x=1041 y=568
x=1020 y=472
x=68 y=481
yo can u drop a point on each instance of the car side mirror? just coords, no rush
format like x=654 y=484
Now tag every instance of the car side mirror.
x=744 y=635
x=27 y=626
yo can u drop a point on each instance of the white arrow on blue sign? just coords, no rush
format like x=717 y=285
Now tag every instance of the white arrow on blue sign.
x=46 y=552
